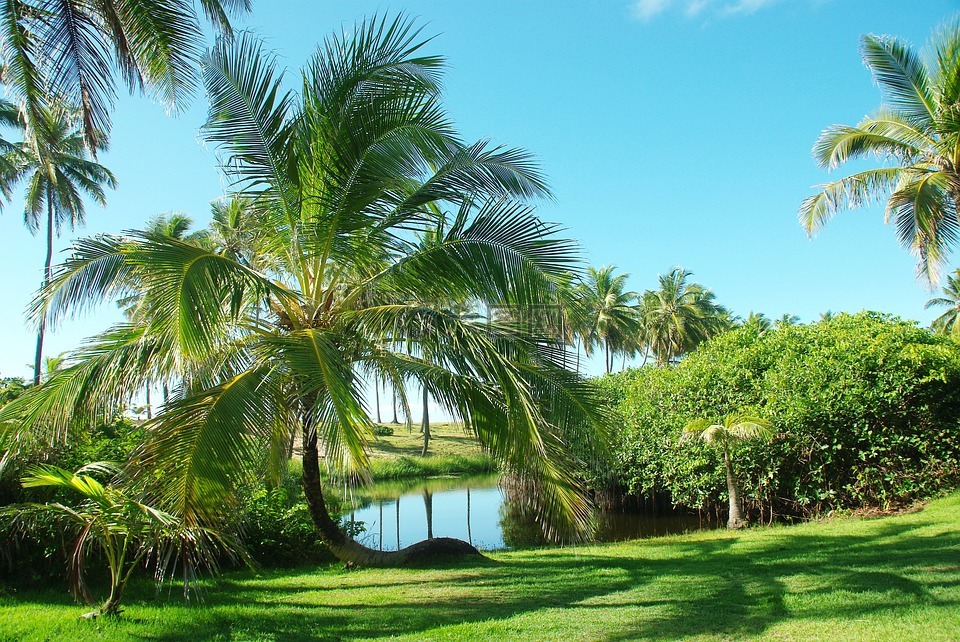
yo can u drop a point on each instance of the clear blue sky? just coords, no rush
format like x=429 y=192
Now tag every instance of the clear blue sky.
x=674 y=132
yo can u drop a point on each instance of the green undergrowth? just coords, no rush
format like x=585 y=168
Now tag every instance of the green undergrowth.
x=893 y=578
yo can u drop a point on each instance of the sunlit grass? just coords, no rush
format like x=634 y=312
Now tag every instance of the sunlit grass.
x=895 y=578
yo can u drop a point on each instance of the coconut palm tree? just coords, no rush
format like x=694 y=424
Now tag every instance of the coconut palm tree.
x=949 y=322
x=58 y=172
x=914 y=135
x=727 y=434
x=113 y=520
x=68 y=52
x=611 y=314
x=342 y=176
x=786 y=320
x=679 y=316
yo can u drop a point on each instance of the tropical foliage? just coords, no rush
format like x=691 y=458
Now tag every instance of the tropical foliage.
x=864 y=405
x=915 y=135
x=66 y=53
x=339 y=179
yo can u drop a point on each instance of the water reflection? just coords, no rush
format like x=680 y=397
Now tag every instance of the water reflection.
x=485 y=512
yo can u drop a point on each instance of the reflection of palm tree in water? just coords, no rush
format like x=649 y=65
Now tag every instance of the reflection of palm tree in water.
x=428 y=508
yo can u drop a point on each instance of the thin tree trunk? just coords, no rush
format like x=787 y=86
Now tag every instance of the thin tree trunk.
x=47 y=277
x=578 y=357
x=376 y=396
x=149 y=410
x=735 y=520
x=425 y=425
x=351 y=551
x=395 y=406
x=469 y=535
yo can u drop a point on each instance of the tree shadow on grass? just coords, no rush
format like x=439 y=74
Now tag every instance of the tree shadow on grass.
x=715 y=585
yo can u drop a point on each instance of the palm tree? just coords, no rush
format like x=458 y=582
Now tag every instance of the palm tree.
x=611 y=315
x=67 y=51
x=56 y=167
x=914 y=134
x=342 y=176
x=759 y=321
x=114 y=520
x=679 y=316
x=786 y=320
x=948 y=323
x=727 y=434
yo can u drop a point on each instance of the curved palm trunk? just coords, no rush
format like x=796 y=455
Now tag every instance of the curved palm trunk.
x=47 y=276
x=735 y=519
x=352 y=552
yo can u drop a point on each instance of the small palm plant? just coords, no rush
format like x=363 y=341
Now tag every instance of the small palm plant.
x=727 y=434
x=126 y=531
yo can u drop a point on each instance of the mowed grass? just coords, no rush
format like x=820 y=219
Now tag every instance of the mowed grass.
x=451 y=452
x=896 y=578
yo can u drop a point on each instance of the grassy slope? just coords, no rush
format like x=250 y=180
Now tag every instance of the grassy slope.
x=451 y=451
x=895 y=578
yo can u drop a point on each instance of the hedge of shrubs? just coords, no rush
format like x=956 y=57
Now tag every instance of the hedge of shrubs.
x=866 y=407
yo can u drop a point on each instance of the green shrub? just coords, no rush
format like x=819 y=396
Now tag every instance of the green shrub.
x=382 y=431
x=866 y=409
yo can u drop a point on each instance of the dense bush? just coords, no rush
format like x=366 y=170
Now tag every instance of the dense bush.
x=382 y=431
x=866 y=407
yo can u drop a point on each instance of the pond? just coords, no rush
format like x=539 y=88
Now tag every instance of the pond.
x=480 y=511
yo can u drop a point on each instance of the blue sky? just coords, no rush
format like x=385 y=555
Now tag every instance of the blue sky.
x=674 y=132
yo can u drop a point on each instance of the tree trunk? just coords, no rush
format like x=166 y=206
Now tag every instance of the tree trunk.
x=149 y=410
x=395 y=407
x=352 y=552
x=376 y=396
x=47 y=276
x=425 y=425
x=735 y=520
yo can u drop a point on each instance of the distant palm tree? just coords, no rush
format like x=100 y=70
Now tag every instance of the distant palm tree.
x=949 y=322
x=760 y=321
x=786 y=320
x=612 y=319
x=679 y=316
x=56 y=167
x=914 y=134
x=732 y=430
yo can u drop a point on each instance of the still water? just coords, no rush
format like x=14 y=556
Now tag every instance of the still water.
x=478 y=510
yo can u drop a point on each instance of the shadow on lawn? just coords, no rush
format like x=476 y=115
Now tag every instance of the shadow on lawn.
x=712 y=586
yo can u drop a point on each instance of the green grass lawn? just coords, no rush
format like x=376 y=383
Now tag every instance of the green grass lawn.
x=895 y=578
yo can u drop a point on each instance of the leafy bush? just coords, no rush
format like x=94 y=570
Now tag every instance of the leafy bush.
x=382 y=431
x=865 y=407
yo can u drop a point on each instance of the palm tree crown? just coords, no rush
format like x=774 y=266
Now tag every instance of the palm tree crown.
x=343 y=180
x=949 y=322
x=611 y=317
x=916 y=134
x=680 y=315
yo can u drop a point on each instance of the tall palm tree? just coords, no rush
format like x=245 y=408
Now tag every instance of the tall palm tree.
x=915 y=135
x=58 y=172
x=342 y=176
x=612 y=319
x=949 y=322
x=731 y=431
x=679 y=316
x=786 y=320
x=66 y=51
